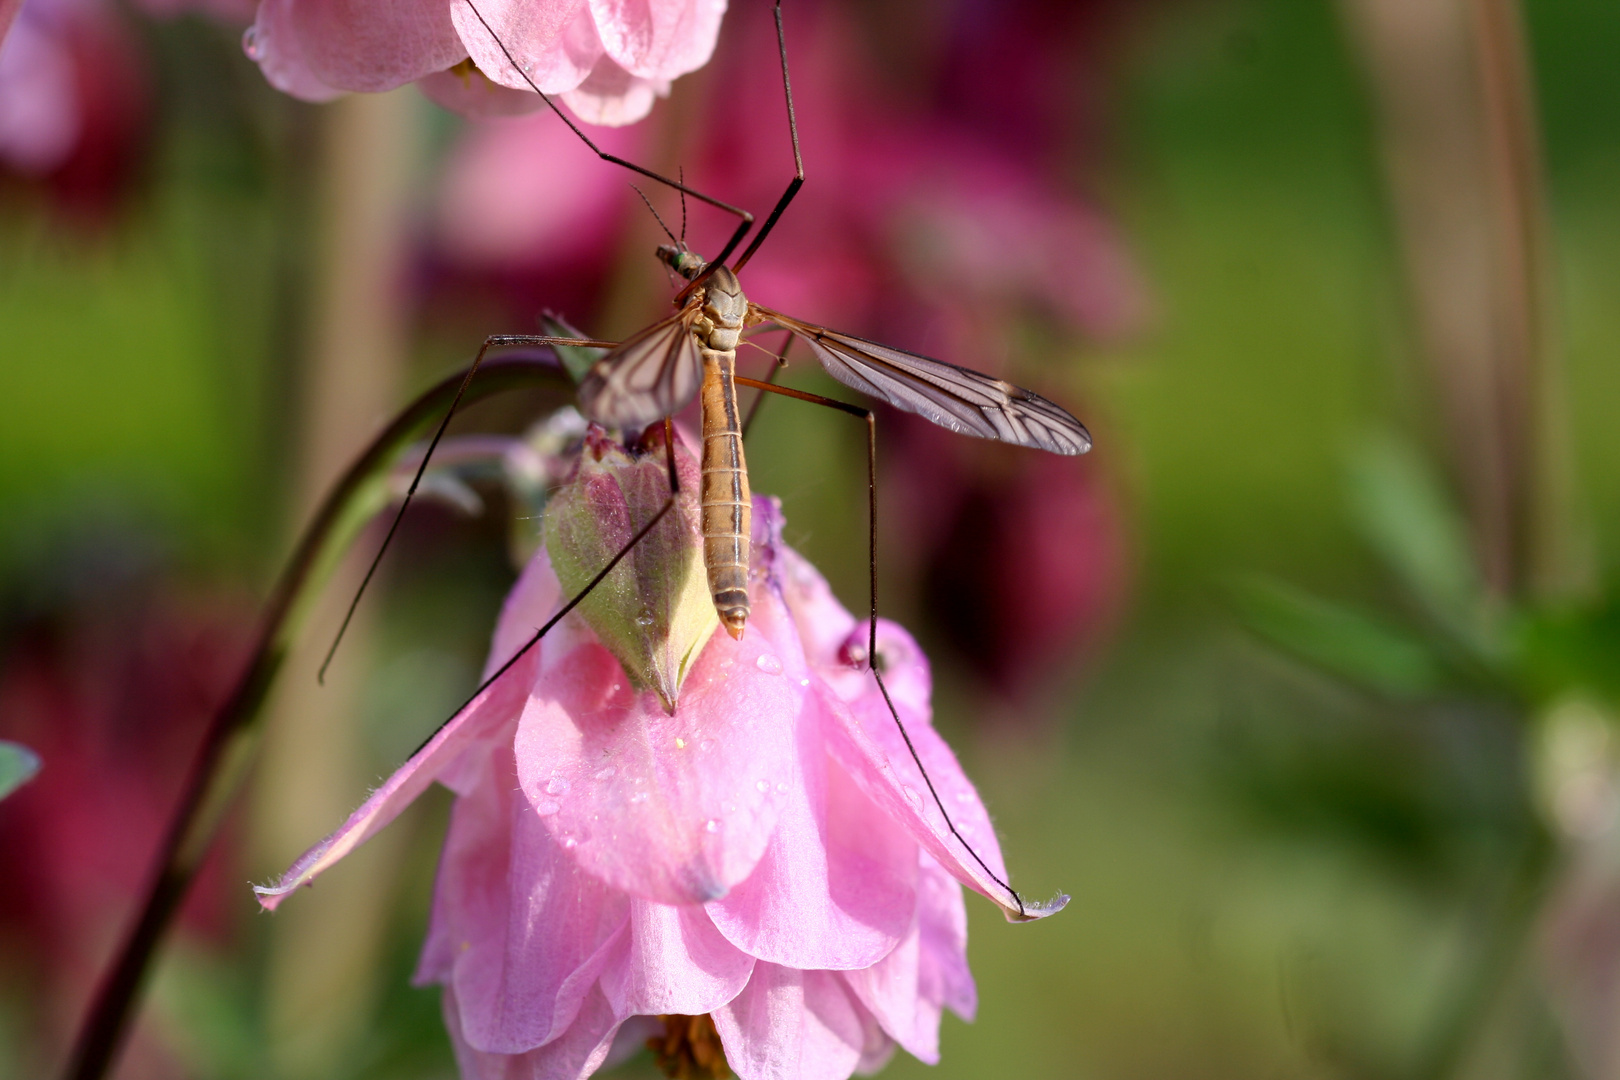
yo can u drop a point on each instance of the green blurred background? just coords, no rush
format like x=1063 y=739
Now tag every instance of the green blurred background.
x=1280 y=868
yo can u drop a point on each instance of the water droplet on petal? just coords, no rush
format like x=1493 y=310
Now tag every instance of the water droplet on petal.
x=781 y=789
x=570 y=843
x=711 y=826
x=763 y=786
x=252 y=43
x=769 y=664
x=557 y=785
x=645 y=619
x=804 y=682
x=547 y=807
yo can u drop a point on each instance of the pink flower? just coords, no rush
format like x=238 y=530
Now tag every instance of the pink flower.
x=608 y=59
x=767 y=854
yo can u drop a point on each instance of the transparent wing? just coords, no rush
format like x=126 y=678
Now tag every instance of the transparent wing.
x=650 y=376
x=954 y=397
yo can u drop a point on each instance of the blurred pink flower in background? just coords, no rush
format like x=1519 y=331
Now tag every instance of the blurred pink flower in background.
x=983 y=530
x=525 y=219
x=74 y=102
x=767 y=855
x=608 y=61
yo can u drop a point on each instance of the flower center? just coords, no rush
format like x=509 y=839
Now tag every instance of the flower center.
x=689 y=1049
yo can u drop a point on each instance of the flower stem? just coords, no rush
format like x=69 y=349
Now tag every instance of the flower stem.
x=227 y=751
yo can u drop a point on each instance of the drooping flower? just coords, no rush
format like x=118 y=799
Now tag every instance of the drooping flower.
x=606 y=59
x=768 y=855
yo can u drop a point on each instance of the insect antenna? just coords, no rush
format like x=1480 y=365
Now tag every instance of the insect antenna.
x=745 y=220
x=682 y=241
x=798 y=159
x=655 y=215
x=872 y=660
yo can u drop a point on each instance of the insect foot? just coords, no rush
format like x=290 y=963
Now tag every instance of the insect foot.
x=653 y=611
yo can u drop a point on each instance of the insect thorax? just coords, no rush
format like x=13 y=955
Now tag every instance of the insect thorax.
x=720 y=322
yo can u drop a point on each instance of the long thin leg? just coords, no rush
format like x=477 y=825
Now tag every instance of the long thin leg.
x=674 y=493
x=798 y=161
x=494 y=341
x=759 y=398
x=871 y=633
x=745 y=219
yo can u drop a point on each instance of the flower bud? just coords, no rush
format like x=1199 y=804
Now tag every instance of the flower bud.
x=653 y=612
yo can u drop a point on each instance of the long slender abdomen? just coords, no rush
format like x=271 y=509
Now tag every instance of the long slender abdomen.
x=727 y=510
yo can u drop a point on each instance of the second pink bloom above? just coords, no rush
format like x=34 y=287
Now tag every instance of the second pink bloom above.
x=607 y=59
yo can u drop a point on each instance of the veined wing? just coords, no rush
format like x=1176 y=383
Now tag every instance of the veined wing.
x=650 y=376
x=954 y=397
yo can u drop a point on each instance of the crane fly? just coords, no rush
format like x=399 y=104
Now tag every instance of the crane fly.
x=692 y=354
x=657 y=372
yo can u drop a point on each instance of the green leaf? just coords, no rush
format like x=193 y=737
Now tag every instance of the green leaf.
x=576 y=359
x=1407 y=516
x=18 y=764
x=1572 y=651
x=1340 y=640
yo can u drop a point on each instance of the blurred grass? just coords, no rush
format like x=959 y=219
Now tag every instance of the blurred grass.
x=1199 y=943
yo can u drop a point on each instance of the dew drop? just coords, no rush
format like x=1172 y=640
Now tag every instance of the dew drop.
x=804 y=682
x=711 y=826
x=762 y=786
x=645 y=619
x=557 y=785
x=547 y=807
x=781 y=789
x=252 y=43
x=570 y=843
x=769 y=664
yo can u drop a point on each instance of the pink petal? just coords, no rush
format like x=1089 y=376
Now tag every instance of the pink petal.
x=659 y=39
x=273 y=42
x=535 y=597
x=676 y=809
x=905 y=991
x=612 y=97
x=553 y=41
x=487 y=714
x=578 y=1053
x=475 y=96
x=792 y=1025
x=869 y=744
x=822 y=622
x=888 y=990
x=836 y=888
x=518 y=931
x=361 y=45
x=527 y=607
x=943 y=976
x=674 y=961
